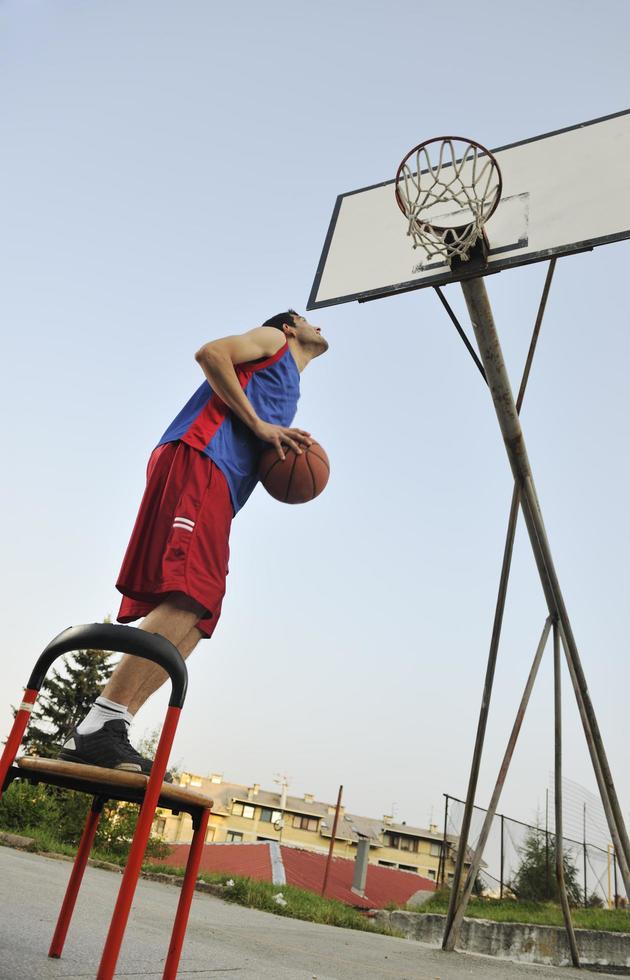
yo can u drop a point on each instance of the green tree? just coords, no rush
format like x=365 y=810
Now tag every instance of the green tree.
x=117 y=827
x=535 y=879
x=65 y=698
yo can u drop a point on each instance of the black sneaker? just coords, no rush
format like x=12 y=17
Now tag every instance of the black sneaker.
x=108 y=747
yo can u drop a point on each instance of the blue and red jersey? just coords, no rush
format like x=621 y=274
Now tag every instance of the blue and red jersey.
x=207 y=424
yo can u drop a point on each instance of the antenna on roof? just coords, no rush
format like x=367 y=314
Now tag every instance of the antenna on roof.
x=282 y=780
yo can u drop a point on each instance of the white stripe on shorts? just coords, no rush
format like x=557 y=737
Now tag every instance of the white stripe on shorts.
x=183 y=527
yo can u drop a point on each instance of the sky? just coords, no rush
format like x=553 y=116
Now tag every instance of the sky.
x=167 y=177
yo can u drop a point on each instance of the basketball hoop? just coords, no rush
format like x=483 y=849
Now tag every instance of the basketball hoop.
x=447 y=188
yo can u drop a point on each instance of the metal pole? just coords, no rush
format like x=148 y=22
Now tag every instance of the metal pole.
x=454 y=917
x=502 y=854
x=485 y=708
x=616 y=895
x=532 y=347
x=547 y=875
x=469 y=347
x=623 y=864
x=564 y=902
x=492 y=358
x=608 y=849
x=584 y=853
x=332 y=841
x=442 y=864
x=500 y=604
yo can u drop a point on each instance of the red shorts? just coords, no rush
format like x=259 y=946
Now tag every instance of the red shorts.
x=180 y=539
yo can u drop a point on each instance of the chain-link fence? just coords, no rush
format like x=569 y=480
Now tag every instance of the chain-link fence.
x=591 y=869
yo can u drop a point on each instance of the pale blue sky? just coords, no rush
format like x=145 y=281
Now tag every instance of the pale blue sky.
x=167 y=176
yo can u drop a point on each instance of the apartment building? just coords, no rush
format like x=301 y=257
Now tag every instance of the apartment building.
x=250 y=813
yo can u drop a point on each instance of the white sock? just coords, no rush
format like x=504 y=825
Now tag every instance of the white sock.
x=101 y=711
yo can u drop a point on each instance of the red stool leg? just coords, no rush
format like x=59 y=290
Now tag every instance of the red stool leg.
x=138 y=847
x=185 y=898
x=76 y=877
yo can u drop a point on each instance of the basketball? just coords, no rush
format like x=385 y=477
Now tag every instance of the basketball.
x=298 y=477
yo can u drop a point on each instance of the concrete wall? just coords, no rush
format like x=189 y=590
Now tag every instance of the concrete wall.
x=516 y=941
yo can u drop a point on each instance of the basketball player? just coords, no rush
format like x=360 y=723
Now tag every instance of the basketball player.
x=201 y=473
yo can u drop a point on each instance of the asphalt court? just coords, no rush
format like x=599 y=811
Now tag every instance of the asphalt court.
x=223 y=942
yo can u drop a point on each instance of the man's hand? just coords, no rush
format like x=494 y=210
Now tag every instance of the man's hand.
x=279 y=436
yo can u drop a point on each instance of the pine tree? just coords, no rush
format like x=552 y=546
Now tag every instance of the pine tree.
x=535 y=879
x=65 y=698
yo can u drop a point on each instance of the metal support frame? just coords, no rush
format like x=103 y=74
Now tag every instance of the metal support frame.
x=557 y=702
x=524 y=492
x=456 y=909
x=499 y=609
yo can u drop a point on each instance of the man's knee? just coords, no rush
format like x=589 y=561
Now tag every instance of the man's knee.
x=190 y=641
x=184 y=602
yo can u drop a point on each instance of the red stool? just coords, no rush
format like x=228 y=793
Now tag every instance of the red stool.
x=114 y=784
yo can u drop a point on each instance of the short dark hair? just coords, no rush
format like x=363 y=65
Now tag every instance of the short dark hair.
x=280 y=319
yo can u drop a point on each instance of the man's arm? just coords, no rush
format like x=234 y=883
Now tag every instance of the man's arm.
x=217 y=360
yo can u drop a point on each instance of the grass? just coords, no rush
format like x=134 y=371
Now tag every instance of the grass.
x=47 y=843
x=300 y=903
x=538 y=913
x=262 y=895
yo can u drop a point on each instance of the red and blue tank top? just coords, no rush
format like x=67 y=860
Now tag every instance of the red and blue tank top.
x=207 y=424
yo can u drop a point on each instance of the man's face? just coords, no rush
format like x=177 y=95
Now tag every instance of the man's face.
x=309 y=336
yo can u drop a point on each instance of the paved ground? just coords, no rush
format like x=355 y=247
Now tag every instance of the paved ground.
x=224 y=942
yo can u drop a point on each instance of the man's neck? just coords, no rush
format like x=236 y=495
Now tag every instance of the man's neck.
x=300 y=355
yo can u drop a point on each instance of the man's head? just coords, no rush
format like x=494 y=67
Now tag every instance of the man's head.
x=281 y=319
x=299 y=332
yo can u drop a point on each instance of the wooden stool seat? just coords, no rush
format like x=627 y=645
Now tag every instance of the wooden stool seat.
x=114 y=784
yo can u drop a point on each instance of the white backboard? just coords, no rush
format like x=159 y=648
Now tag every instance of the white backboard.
x=563 y=192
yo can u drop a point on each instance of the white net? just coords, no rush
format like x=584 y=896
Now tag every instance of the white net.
x=447 y=190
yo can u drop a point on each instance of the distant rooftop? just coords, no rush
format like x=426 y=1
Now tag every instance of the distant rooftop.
x=351 y=827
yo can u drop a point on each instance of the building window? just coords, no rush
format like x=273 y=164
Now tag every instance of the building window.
x=408 y=867
x=400 y=842
x=243 y=810
x=159 y=825
x=431 y=874
x=210 y=834
x=387 y=864
x=270 y=816
x=436 y=850
x=233 y=837
x=305 y=823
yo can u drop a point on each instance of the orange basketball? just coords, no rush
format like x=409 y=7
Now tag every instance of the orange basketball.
x=296 y=478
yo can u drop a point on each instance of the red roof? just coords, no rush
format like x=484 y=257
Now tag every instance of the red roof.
x=306 y=869
x=248 y=860
x=383 y=885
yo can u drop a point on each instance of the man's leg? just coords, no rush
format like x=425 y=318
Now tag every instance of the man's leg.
x=102 y=737
x=134 y=680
